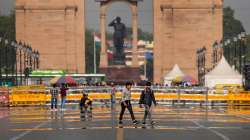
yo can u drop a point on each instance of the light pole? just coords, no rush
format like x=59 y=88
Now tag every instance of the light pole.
x=240 y=52
x=201 y=64
x=229 y=50
x=28 y=52
x=20 y=63
x=6 y=59
x=243 y=49
x=17 y=47
x=220 y=50
x=235 y=52
x=145 y=68
x=38 y=59
x=215 y=47
x=1 y=58
x=34 y=59
x=94 y=57
x=13 y=61
x=225 y=48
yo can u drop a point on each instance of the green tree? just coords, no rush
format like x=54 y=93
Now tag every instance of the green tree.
x=7 y=54
x=142 y=35
x=231 y=26
x=89 y=52
x=7 y=27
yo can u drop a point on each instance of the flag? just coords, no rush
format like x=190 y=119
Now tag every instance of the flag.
x=97 y=40
x=110 y=50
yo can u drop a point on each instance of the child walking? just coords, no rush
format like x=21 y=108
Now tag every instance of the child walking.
x=126 y=103
x=146 y=99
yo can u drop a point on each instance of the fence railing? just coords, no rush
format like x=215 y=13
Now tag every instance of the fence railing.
x=39 y=95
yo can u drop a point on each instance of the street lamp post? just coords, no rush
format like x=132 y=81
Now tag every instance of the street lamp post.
x=226 y=50
x=20 y=63
x=38 y=60
x=235 y=52
x=1 y=58
x=244 y=47
x=6 y=60
x=229 y=51
x=215 y=53
x=201 y=64
x=16 y=63
x=220 y=50
x=13 y=62
x=34 y=59
x=240 y=53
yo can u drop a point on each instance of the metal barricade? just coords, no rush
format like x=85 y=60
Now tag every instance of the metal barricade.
x=28 y=95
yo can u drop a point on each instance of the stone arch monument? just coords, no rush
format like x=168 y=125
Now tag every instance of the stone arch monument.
x=57 y=29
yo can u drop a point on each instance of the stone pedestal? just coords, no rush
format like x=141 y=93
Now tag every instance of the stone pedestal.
x=121 y=74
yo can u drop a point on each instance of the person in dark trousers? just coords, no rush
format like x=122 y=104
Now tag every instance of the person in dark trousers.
x=146 y=99
x=85 y=103
x=126 y=103
x=63 y=92
x=54 y=97
x=112 y=94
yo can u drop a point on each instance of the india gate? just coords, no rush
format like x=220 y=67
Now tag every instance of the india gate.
x=56 y=28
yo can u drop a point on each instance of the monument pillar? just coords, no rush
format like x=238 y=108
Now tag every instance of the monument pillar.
x=135 y=34
x=104 y=55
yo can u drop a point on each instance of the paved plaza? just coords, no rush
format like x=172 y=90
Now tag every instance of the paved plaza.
x=173 y=123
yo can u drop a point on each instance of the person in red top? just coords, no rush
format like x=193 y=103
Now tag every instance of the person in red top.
x=63 y=92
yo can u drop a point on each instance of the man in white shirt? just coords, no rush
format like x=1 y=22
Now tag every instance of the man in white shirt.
x=126 y=103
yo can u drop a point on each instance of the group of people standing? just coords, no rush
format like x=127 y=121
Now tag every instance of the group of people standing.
x=54 y=96
x=147 y=98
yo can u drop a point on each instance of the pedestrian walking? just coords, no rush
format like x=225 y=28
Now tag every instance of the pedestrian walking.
x=112 y=94
x=54 y=97
x=146 y=99
x=126 y=103
x=63 y=92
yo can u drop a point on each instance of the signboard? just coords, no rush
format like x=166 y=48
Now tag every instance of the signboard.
x=47 y=73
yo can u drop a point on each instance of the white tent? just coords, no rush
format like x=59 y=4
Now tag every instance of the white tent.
x=223 y=73
x=175 y=72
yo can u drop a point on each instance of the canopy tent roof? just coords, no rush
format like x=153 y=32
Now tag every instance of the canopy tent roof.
x=175 y=72
x=223 y=73
x=223 y=69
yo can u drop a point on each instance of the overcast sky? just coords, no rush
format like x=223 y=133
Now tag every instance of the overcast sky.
x=242 y=12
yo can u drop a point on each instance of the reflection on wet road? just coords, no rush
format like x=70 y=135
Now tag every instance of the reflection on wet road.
x=173 y=122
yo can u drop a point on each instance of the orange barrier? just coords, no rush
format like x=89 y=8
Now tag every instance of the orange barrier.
x=38 y=95
x=28 y=95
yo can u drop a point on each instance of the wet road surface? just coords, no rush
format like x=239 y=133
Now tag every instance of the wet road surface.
x=172 y=123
